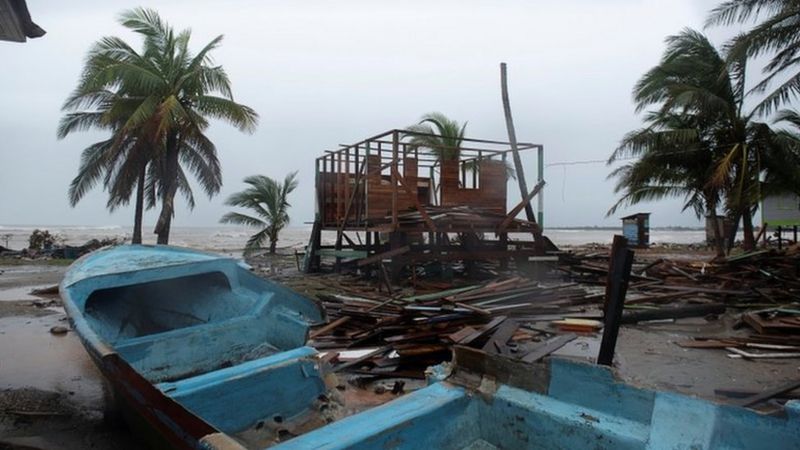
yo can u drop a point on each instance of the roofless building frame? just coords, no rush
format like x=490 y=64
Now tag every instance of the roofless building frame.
x=389 y=199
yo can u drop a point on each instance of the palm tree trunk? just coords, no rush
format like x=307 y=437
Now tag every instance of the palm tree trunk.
x=730 y=235
x=711 y=208
x=139 y=211
x=171 y=188
x=272 y=245
x=719 y=243
x=747 y=228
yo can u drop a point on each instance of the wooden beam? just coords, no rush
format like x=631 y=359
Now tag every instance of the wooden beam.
x=768 y=394
x=395 y=150
x=350 y=201
x=619 y=276
x=381 y=256
x=329 y=327
x=547 y=347
x=362 y=359
x=498 y=343
x=512 y=138
x=524 y=203
x=422 y=211
x=475 y=255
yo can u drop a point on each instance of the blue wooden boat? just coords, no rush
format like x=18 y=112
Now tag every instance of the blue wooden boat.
x=193 y=343
x=209 y=356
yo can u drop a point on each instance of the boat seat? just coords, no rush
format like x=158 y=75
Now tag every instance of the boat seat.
x=278 y=387
x=179 y=353
x=188 y=351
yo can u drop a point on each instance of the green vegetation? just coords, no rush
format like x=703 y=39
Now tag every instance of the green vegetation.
x=42 y=240
x=268 y=199
x=777 y=34
x=156 y=103
x=442 y=135
x=698 y=141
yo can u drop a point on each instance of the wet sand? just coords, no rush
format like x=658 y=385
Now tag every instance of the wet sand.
x=51 y=395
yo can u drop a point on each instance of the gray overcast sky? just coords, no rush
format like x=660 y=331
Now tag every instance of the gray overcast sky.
x=321 y=73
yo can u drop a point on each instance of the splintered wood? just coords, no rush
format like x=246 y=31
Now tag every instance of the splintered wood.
x=461 y=218
x=410 y=333
x=401 y=335
x=762 y=288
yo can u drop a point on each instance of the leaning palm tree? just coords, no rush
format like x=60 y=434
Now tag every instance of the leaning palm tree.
x=268 y=199
x=171 y=94
x=776 y=34
x=120 y=161
x=699 y=84
x=672 y=159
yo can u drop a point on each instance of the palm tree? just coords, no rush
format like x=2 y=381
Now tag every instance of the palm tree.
x=267 y=198
x=777 y=34
x=783 y=174
x=120 y=161
x=673 y=159
x=170 y=95
x=442 y=135
x=703 y=88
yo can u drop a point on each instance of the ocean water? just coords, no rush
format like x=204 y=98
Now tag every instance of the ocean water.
x=231 y=239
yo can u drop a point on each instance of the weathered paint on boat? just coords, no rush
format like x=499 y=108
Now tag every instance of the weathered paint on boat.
x=229 y=332
x=582 y=406
x=480 y=402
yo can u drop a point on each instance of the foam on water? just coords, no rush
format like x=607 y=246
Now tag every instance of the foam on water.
x=231 y=239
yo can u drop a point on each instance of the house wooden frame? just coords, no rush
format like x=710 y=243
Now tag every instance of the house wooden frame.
x=408 y=203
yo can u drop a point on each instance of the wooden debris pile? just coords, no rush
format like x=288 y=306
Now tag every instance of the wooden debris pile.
x=401 y=336
x=758 y=279
x=459 y=218
x=774 y=334
x=762 y=287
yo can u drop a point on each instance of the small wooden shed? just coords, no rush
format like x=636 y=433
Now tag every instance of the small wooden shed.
x=636 y=228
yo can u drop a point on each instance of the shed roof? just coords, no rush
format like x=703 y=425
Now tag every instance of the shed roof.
x=634 y=216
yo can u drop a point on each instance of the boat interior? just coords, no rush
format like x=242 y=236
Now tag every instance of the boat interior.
x=212 y=336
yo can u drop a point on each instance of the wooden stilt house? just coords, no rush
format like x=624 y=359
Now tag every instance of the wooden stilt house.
x=385 y=198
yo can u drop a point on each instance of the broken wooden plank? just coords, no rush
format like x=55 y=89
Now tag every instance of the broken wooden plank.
x=329 y=327
x=381 y=256
x=747 y=355
x=497 y=342
x=522 y=204
x=548 y=347
x=674 y=313
x=362 y=359
x=486 y=329
x=768 y=394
